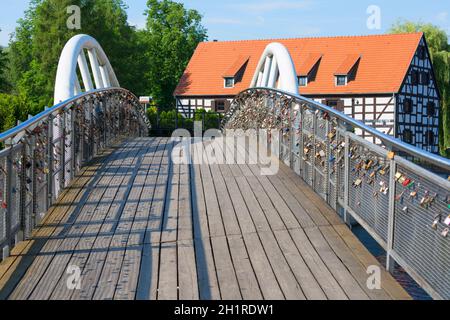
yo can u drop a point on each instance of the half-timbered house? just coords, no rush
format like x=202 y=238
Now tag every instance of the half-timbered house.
x=386 y=81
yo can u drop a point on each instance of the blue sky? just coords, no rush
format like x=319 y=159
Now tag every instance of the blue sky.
x=256 y=19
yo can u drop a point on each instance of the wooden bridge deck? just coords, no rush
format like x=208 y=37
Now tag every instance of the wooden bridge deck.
x=140 y=227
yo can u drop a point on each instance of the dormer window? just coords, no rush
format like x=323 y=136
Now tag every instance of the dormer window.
x=347 y=70
x=341 y=81
x=235 y=72
x=307 y=71
x=229 y=82
x=303 y=81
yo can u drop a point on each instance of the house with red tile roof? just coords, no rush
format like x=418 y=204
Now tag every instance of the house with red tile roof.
x=386 y=81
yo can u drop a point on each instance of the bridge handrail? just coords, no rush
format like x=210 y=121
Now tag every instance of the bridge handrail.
x=387 y=189
x=388 y=140
x=52 y=110
x=42 y=155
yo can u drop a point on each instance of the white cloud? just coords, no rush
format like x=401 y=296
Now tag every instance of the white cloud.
x=267 y=6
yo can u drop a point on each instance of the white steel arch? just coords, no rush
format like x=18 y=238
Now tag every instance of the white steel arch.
x=276 y=70
x=67 y=84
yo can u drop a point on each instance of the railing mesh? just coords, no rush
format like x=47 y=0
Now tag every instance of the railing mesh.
x=406 y=208
x=421 y=208
x=42 y=156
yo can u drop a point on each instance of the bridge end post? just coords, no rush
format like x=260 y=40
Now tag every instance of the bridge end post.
x=8 y=189
x=390 y=262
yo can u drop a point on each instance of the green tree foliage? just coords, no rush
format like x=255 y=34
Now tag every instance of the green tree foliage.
x=4 y=87
x=41 y=35
x=437 y=41
x=170 y=38
x=12 y=107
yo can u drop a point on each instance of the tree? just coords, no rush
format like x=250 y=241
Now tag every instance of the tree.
x=437 y=41
x=3 y=82
x=4 y=85
x=41 y=35
x=170 y=38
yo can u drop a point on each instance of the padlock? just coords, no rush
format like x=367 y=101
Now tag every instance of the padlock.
x=407 y=182
x=435 y=224
x=445 y=232
x=447 y=220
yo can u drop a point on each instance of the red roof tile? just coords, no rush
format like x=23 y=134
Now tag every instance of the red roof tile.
x=236 y=66
x=348 y=64
x=306 y=67
x=382 y=68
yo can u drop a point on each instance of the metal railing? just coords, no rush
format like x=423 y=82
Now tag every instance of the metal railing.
x=384 y=186
x=42 y=155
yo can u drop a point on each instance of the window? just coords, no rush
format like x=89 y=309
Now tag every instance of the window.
x=302 y=81
x=431 y=109
x=414 y=77
x=229 y=82
x=429 y=138
x=335 y=104
x=422 y=53
x=407 y=105
x=424 y=78
x=341 y=80
x=407 y=136
x=220 y=106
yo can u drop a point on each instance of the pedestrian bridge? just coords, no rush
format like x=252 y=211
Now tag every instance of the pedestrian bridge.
x=92 y=208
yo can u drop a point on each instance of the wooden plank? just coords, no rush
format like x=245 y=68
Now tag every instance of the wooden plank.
x=230 y=221
x=248 y=283
x=304 y=276
x=55 y=276
x=389 y=284
x=288 y=283
x=216 y=227
x=268 y=283
x=228 y=283
x=108 y=278
x=168 y=270
x=345 y=279
x=306 y=217
x=351 y=262
x=28 y=273
x=93 y=267
x=124 y=212
x=168 y=276
x=127 y=286
x=185 y=227
x=94 y=226
x=253 y=190
x=128 y=280
x=206 y=270
x=318 y=268
x=187 y=271
x=313 y=197
x=318 y=210
x=285 y=213
x=149 y=272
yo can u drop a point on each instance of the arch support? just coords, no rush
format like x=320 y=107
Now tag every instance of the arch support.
x=276 y=64
x=72 y=57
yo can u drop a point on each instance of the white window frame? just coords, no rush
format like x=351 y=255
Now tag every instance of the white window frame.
x=336 y=80
x=306 y=84
x=225 y=82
